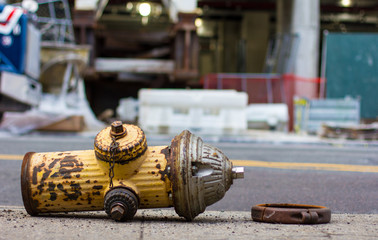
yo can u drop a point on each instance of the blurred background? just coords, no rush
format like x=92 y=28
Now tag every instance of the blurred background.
x=286 y=86
x=210 y=66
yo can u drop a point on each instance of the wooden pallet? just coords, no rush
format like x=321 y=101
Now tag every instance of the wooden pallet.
x=69 y=124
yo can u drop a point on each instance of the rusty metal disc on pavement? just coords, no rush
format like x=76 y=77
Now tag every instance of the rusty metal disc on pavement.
x=290 y=213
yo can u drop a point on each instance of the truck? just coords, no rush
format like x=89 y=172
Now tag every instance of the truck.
x=20 y=41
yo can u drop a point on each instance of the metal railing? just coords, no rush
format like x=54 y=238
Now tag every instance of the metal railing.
x=54 y=19
x=246 y=78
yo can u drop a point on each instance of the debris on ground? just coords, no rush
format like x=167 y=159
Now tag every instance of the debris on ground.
x=360 y=132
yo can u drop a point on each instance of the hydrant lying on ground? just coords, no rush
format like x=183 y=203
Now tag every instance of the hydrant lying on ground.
x=122 y=174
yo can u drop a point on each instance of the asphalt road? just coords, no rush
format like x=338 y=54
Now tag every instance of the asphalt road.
x=342 y=191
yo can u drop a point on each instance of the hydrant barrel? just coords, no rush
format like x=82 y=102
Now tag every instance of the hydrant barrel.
x=78 y=181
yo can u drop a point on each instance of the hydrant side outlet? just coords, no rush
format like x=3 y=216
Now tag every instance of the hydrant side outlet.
x=131 y=145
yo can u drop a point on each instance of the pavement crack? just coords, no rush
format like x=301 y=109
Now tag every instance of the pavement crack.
x=142 y=228
x=327 y=234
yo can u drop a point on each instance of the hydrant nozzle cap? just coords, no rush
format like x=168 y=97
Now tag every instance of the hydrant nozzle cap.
x=237 y=172
x=117 y=212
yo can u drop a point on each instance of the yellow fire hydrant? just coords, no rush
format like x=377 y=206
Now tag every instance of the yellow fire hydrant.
x=122 y=174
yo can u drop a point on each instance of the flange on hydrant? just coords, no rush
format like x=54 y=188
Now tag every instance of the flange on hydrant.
x=122 y=174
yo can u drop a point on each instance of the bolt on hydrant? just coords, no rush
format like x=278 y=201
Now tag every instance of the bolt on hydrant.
x=122 y=174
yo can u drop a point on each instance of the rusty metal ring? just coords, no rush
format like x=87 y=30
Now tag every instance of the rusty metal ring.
x=290 y=213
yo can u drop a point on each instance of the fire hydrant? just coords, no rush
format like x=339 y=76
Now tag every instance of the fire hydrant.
x=122 y=174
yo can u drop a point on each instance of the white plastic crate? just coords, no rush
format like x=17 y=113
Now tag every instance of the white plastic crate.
x=310 y=115
x=200 y=111
x=268 y=116
x=127 y=109
x=20 y=87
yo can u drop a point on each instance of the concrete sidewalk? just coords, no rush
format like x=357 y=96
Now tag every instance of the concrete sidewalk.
x=15 y=223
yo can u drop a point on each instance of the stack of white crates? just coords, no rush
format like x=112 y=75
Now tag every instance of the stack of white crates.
x=200 y=111
x=268 y=116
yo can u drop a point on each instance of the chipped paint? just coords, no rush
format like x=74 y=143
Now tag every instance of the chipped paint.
x=78 y=181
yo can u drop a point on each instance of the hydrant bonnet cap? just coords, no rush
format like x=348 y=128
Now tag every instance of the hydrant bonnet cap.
x=201 y=174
